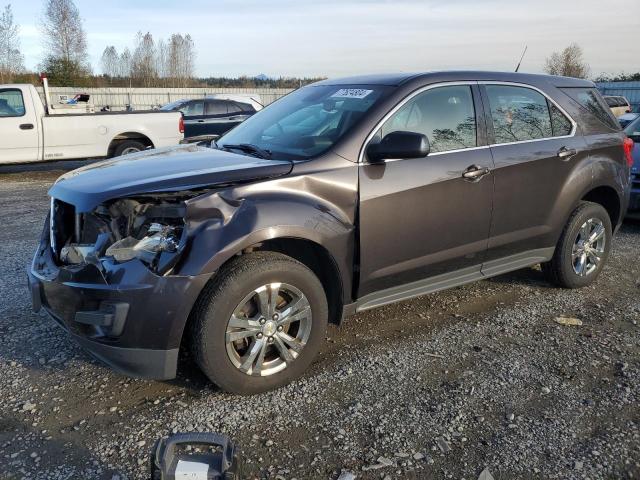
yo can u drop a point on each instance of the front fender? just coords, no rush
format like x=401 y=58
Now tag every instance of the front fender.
x=223 y=223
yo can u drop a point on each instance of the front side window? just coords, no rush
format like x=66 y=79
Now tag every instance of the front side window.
x=11 y=103
x=518 y=114
x=444 y=114
x=307 y=122
x=193 y=109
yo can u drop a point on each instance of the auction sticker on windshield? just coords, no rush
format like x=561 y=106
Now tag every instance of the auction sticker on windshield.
x=352 y=93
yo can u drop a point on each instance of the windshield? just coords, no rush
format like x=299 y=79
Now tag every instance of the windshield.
x=633 y=129
x=307 y=122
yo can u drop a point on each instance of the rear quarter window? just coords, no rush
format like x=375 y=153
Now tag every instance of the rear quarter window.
x=592 y=104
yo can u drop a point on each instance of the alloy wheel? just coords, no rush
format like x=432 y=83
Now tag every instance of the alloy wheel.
x=268 y=329
x=588 y=247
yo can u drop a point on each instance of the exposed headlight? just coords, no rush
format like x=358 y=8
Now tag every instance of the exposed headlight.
x=159 y=238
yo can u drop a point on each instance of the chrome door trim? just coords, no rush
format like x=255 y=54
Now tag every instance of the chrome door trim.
x=574 y=124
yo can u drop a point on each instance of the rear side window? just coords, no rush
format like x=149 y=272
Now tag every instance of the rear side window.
x=245 y=107
x=444 y=114
x=11 y=103
x=518 y=114
x=611 y=101
x=589 y=100
x=560 y=125
x=216 y=107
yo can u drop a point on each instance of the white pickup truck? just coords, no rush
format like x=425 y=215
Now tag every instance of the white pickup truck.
x=33 y=132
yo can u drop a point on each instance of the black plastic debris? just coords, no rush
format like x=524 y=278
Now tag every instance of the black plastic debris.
x=195 y=456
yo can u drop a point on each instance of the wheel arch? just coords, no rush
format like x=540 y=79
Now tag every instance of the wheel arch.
x=117 y=139
x=608 y=197
x=301 y=246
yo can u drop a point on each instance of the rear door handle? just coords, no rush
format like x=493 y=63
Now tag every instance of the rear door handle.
x=26 y=126
x=474 y=173
x=566 y=153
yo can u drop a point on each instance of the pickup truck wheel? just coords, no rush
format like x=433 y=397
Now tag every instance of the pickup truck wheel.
x=260 y=323
x=583 y=248
x=128 y=146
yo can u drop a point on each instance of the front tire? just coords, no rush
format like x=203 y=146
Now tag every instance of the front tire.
x=583 y=248
x=259 y=324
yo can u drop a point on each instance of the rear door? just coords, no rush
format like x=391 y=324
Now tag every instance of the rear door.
x=420 y=218
x=535 y=149
x=18 y=127
x=194 y=118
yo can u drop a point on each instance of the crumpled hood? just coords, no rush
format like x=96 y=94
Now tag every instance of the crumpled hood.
x=168 y=169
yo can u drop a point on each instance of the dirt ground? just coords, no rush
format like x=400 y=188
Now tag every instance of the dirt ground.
x=442 y=386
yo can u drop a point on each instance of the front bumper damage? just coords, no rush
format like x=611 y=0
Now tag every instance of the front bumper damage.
x=123 y=313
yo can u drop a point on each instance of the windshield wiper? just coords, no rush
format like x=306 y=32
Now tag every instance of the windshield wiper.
x=248 y=148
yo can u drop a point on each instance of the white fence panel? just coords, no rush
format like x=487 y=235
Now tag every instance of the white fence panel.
x=146 y=98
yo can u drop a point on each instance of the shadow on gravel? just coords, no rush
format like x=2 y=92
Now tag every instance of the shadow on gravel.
x=56 y=456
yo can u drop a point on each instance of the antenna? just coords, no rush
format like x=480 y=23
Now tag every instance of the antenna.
x=521 y=57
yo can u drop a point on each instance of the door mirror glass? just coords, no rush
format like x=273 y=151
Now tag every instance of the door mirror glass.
x=399 y=145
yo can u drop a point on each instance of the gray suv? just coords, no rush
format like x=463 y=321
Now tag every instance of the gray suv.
x=340 y=197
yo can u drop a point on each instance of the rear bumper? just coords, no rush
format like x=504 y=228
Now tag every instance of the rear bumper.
x=124 y=315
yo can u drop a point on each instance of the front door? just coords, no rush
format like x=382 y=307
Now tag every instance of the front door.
x=425 y=217
x=19 y=127
x=194 y=118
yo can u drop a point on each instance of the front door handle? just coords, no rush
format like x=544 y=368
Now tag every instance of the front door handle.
x=474 y=173
x=566 y=153
x=26 y=126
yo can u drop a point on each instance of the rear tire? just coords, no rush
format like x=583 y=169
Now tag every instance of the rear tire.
x=583 y=248
x=235 y=305
x=128 y=146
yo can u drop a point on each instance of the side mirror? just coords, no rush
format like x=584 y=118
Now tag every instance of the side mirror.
x=399 y=145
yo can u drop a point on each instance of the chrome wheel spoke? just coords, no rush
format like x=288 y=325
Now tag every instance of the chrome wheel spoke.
x=582 y=263
x=256 y=352
x=585 y=230
x=241 y=334
x=240 y=322
x=295 y=312
x=597 y=233
x=593 y=258
x=274 y=293
x=263 y=300
x=283 y=351
x=290 y=342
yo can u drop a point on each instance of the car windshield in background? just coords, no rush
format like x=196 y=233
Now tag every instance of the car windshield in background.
x=170 y=107
x=307 y=122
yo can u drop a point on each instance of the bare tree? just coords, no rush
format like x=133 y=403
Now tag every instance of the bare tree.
x=569 y=63
x=180 y=59
x=124 y=64
x=11 y=60
x=110 y=61
x=64 y=36
x=143 y=66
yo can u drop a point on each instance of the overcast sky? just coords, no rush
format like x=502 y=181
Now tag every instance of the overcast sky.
x=342 y=37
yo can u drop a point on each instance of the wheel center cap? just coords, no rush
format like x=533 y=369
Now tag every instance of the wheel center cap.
x=269 y=328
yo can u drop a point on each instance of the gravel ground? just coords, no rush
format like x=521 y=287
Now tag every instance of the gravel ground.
x=443 y=386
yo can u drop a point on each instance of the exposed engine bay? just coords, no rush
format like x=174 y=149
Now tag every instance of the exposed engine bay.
x=149 y=229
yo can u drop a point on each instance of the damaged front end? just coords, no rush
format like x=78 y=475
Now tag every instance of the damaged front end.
x=95 y=272
x=151 y=230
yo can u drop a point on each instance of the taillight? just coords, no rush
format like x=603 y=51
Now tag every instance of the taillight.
x=181 y=125
x=628 y=149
